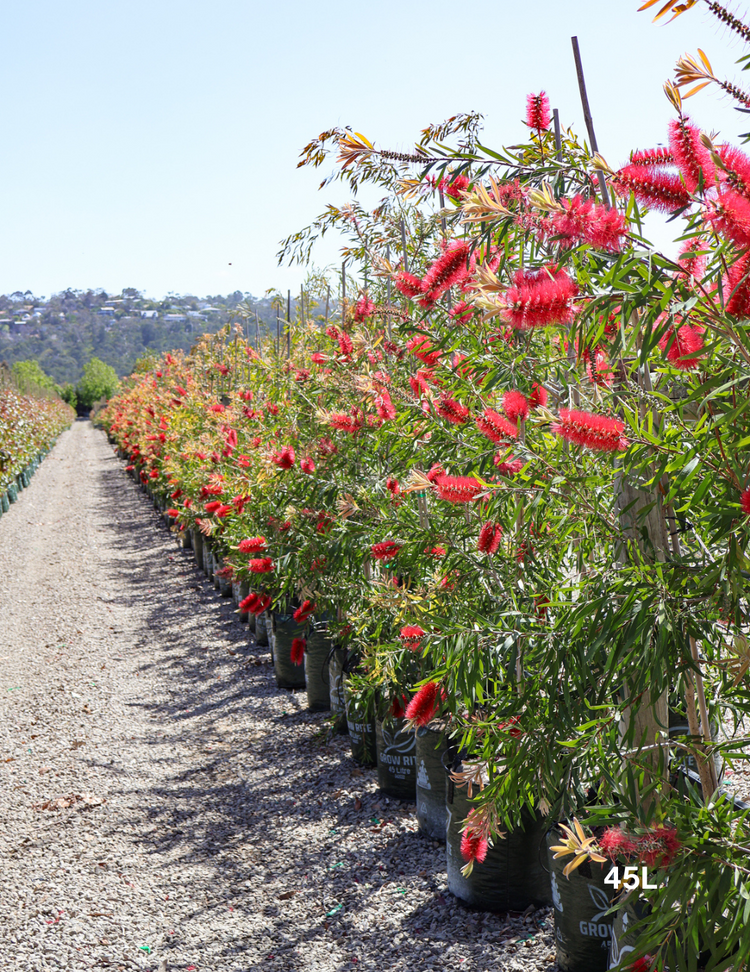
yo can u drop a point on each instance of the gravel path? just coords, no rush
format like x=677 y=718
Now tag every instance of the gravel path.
x=162 y=805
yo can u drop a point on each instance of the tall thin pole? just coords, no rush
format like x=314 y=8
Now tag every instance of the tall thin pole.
x=558 y=139
x=587 y=117
x=388 y=296
x=328 y=301
x=343 y=292
x=257 y=333
x=288 y=323
x=403 y=246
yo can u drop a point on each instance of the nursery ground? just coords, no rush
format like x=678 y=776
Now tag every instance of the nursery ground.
x=164 y=806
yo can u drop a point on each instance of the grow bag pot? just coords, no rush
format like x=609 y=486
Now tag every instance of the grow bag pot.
x=360 y=721
x=285 y=630
x=319 y=647
x=208 y=559
x=197 y=547
x=396 y=750
x=243 y=589
x=336 y=688
x=431 y=747
x=513 y=874
x=261 y=629
x=4 y=502
x=583 y=929
x=12 y=493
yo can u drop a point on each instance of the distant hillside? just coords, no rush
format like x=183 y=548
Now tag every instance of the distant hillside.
x=64 y=332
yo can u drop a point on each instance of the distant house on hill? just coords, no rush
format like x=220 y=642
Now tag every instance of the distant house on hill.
x=150 y=314
x=175 y=317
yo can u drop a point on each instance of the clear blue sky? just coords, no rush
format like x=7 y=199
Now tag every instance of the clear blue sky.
x=151 y=143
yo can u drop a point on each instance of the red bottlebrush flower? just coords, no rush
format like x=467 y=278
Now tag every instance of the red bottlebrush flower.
x=495 y=426
x=176 y=495
x=737 y=288
x=656 y=189
x=392 y=486
x=304 y=611
x=537 y=111
x=333 y=332
x=325 y=522
x=363 y=309
x=424 y=705
x=513 y=724
x=129 y=468
x=449 y=269
x=284 y=459
x=418 y=383
x=346 y=345
x=435 y=472
x=692 y=260
x=462 y=312
x=538 y=396
x=489 y=538
x=252 y=545
x=690 y=156
x=515 y=405
x=307 y=466
x=297 y=652
x=438 y=551
x=458 y=489
x=179 y=390
x=226 y=572
x=384 y=406
x=644 y=964
x=212 y=507
x=598 y=432
x=614 y=842
x=154 y=474
x=408 y=285
x=583 y=221
x=213 y=489
x=385 y=550
x=452 y=410
x=247 y=604
x=473 y=847
x=173 y=513
x=729 y=215
x=658 y=847
x=456 y=187
x=261 y=565
x=420 y=346
x=319 y=358
x=301 y=374
x=224 y=510
x=264 y=602
x=216 y=408
x=411 y=636
x=540 y=299
x=344 y=423
x=745 y=502
x=398 y=706
x=682 y=346
x=326 y=447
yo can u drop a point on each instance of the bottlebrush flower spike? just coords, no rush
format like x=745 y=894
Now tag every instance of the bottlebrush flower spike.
x=173 y=513
x=490 y=537
x=346 y=345
x=614 y=842
x=655 y=188
x=652 y=158
x=537 y=111
x=692 y=260
x=745 y=502
x=307 y=466
x=409 y=285
x=261 y=565
x=252 y=545
x=737 y=166
x=539 y=299
x=457 y=489
x=344 y=423
x=496 y=427
x=690 y=156
x=435 y=472
x=364 y=308
x=384 y=406
x=304 y=611
x=515 y=406
x=264 y=602
x=398 y=705
x=737 y=288
x=584 y=221
x=211 y=508
x=392 y=486
x=423 y=707
x=538 y=396
x=452 y=410
x=729 y=215
x=507 y=465
x=284 y=459
x=297 y=652
x=421 y=346
x=385 y=550
x=411 y=636
x=597 y=432
x=682 y=346
x=473 y=850
x=449 y=269
x=247 y=605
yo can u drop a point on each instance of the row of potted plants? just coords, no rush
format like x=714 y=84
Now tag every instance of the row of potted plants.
x=507 y=477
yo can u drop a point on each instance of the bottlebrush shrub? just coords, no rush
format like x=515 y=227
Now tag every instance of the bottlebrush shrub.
x=620 y=565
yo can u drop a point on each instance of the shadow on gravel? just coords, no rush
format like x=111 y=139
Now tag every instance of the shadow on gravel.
x=234 y=803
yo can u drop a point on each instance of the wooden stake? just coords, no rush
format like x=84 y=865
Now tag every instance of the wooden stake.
x=588 y=119
x=343 y=292
x=328 y=301
x=558 y=139
x=288 y=323
x=403 y=246
x=388 y=296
